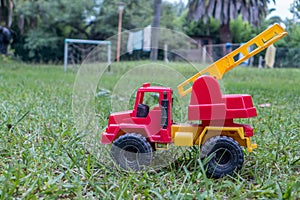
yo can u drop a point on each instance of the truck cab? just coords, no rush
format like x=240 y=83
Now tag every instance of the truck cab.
x=151 y=116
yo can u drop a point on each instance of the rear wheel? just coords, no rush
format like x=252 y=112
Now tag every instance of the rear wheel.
x=226 y=156
x=132 y=151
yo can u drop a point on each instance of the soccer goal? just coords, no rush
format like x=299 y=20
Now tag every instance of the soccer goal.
x=77 y=50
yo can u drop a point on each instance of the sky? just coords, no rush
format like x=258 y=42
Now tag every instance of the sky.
x=282 y=8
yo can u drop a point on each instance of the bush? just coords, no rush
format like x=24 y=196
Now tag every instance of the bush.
x=287 y=57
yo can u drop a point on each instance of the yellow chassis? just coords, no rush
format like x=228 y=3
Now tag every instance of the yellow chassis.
x=189 y=135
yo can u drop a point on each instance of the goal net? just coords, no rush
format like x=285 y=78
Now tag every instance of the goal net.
x=77 y=50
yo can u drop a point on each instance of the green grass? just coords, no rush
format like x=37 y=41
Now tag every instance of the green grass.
x=42 y=156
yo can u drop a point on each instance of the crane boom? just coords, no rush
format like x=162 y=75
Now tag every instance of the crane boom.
x=229 y=61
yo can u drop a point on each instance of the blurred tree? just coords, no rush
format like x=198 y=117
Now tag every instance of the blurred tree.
x=6 y=12
x=137 y=14
x=252 y=11
x=288 y=51
x=167 y=15
x=292 y=40
x=241 y=30
x=191 y=27
x=154 y=33
x=170 y=15
x=295 y=10
x=42 y=25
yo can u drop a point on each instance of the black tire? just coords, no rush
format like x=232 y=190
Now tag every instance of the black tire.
x=132 y=151
x=226 y=156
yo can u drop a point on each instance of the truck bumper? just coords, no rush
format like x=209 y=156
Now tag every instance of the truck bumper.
x=107 y=138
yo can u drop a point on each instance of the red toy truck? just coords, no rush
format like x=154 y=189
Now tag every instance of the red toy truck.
x=137 y=133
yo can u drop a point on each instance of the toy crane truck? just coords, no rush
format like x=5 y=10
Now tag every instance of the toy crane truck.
x=137 y=133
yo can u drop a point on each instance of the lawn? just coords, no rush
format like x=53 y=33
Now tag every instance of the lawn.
x=44 y=156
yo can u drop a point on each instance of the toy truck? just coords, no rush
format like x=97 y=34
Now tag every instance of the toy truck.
x=137 y=133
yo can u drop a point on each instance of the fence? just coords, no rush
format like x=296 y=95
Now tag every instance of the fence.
x=206 y=54
x=284 y=58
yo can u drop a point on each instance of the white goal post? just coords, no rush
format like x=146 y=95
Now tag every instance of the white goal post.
x=81 y=41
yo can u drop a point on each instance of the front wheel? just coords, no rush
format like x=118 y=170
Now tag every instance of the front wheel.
x=132 y=151
x=226 y=156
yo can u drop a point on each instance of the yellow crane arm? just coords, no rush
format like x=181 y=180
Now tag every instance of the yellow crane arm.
x=233 y=59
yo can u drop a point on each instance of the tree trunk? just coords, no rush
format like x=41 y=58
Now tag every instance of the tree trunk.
x=225 y=33
x=21 y=22
x=2 y=12
x=10 y=13
x=154 y=30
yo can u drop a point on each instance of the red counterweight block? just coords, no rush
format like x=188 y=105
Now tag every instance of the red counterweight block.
x=208 y=102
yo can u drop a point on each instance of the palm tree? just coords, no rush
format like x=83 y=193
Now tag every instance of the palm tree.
x=252 y=11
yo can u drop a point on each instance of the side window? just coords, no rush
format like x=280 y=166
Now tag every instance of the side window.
x=151 y=99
